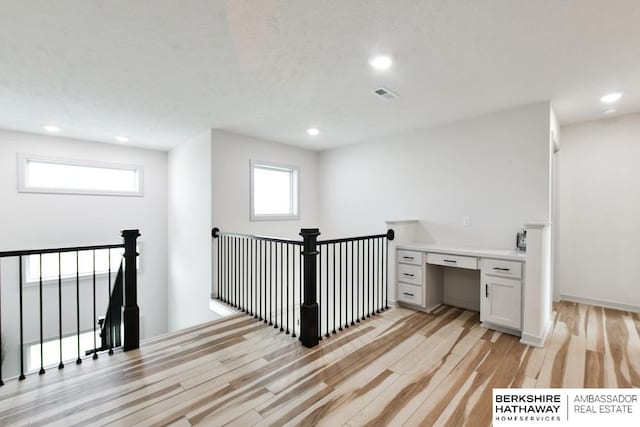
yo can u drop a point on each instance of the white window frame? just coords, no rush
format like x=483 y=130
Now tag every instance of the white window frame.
x=294 y=196
x=23 y=159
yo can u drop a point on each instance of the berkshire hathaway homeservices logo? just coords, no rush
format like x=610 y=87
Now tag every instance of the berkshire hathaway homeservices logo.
x=566 y=407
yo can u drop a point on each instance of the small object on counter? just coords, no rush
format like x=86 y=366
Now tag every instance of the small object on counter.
x=521 y=240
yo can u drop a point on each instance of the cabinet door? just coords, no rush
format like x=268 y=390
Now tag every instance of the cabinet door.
x=500 y=302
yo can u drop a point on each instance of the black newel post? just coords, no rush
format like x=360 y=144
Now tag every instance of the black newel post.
x=131 y=310
x=309 y=308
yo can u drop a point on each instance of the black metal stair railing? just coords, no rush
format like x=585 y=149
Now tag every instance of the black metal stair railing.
x=123 y=294
x=310 y=288
x=259 y=275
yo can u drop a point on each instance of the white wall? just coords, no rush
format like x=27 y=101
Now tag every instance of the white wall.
x=34 y=221
x=598 y=234
x=189 y=233
x=493 y=168
x=231 y=156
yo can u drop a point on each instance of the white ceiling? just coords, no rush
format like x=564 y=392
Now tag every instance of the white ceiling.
x=161 y=71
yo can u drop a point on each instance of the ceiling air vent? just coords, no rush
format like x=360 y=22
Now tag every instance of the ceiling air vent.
x=386 y=93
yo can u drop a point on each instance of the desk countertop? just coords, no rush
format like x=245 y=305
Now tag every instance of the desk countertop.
x=509 y=254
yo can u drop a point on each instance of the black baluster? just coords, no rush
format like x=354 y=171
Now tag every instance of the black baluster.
x=246 y=276
x=263 y=277
x=270 y=283
x=41 y=321
x=293 y=289
x=79 y=360
x=227 y=284
x=1 y=381
x=374 y=309
x=287 y=288
x=250 y=275
x=240 y=275
x=60 y=365
x=353 y=307
x=301 y=293
x=333 y=247
x=95 y=318
x=265 y=280
x=275 y=285
x=357 y=265
x=346 y=281
x=380 y=283
x=364 y=286
x=385 y=273
x=281 y=286
x=21 y=377
x=340 y=286
x=326 y=259
x=319 y=290
x=110 y=328
x=259 y=273
x=233 y=272
x=368 y=278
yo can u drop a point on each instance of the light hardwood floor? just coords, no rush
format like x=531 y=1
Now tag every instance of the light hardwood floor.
x=399 y=368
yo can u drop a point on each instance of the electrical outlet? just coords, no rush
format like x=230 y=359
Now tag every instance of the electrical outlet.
x=466 y=221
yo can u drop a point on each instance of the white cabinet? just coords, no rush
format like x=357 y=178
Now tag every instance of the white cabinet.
x=420 y=283
x=409 y=270
x=501 y=302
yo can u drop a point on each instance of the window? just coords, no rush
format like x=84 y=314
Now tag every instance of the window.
x=50 y=175
x=274 y=191
x=68 y=264
x=51 y=350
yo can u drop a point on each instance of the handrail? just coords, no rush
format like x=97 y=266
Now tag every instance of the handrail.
x=122 y=302
x=58 y=250
x=388 y=234
x=261 y=276
x=216 y=232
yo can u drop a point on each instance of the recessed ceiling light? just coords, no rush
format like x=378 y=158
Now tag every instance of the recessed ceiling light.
x=610 y=111
x=313 y=131
x=122 y=139
x=381 y=62
x=52 y=129
x=611 y=97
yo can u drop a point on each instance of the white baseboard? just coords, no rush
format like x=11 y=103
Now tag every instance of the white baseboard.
x=601 y=303
x=536 y=341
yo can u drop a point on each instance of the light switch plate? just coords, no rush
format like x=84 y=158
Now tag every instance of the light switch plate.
x=466 y=221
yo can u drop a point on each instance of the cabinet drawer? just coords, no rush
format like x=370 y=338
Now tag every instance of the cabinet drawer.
x=410 y=257
x=497 y=267
x=409 y=293
x=453 y=260
x=410 y=274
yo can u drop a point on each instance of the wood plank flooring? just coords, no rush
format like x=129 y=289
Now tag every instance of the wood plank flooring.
x=399 y=368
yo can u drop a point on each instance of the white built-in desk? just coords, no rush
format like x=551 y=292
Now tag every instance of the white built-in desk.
x=420 y=280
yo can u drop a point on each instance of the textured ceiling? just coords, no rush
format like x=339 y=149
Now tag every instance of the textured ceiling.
x=161 y=71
